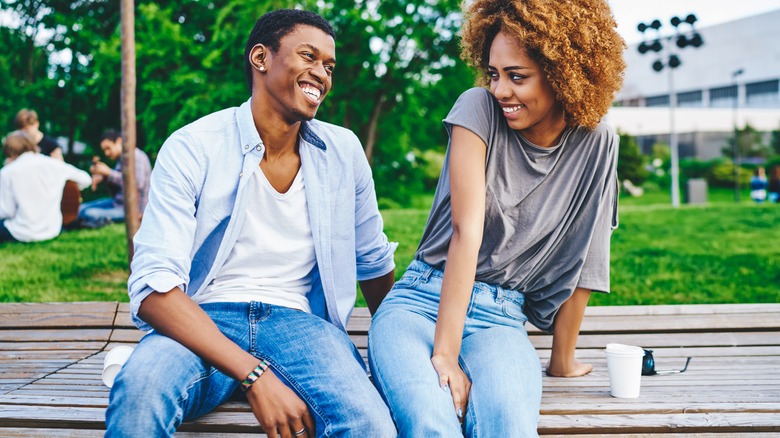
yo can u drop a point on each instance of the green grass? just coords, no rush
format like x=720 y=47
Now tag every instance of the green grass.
x=722 y=252
x=84 y=265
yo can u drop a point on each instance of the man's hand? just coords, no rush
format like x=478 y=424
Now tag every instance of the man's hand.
x=278 y=409
x=100 y=168
x=96 y=179
x=452 y=375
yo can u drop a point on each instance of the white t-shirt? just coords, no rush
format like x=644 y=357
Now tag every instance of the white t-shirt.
x=273 y=258
x=31 y=193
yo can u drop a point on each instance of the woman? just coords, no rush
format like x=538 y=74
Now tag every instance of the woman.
x=520 y=223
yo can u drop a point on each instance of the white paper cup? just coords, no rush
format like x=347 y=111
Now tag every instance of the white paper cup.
x=625 y=369
x=113 y=363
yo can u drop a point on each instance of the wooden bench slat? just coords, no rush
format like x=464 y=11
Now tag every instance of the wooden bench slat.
x=84 y=314
x=673 y=423
x=89 y=433
x=10 y=337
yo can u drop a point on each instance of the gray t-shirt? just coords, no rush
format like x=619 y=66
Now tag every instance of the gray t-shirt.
x=549 y=212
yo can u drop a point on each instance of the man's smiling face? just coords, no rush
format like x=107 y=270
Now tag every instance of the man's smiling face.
x=298 y=75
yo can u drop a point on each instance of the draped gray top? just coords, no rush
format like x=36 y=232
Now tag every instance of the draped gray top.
x=549 y=212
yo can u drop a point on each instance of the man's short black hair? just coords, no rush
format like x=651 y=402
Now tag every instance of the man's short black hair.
x=111 y=135
x=272 y=26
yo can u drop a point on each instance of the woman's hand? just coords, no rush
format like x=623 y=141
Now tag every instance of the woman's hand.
x=452 y=376
x=278 y=409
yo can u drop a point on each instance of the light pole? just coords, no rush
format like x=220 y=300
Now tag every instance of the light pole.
x=735 y=143
x=682 y=40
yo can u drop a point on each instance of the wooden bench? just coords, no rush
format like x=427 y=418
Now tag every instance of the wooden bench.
x=51 y=357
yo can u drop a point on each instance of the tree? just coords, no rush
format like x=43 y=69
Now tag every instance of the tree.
x=397 y=72
x=387 y=52
x=30 y=14
x=775 y=142
x=17 y=93
x=749 y=144
x=132 y=220
x=630 y=161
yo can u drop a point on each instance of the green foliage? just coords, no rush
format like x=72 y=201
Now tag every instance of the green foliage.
x=721 y=174
x=398 y=71
x=749 y=144
x=774 y=142
x=630 y=161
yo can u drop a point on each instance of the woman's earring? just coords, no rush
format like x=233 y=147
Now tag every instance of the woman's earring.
x=262 y=68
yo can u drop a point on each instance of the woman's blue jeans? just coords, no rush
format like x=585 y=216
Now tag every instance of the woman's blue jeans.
x=496 y=355
x=163 y=383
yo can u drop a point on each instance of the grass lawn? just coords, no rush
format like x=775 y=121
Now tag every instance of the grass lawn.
x=718 y=253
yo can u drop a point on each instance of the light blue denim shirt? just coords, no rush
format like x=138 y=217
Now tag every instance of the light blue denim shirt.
x=197 y=204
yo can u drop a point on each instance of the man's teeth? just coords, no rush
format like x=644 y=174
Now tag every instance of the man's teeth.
x=311 y=91
x=513 y=109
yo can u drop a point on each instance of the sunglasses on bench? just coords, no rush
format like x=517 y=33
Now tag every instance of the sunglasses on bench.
x=648 y=365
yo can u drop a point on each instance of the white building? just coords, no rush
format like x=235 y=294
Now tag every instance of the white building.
x=733 y=77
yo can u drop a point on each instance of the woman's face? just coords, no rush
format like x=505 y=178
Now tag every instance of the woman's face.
x=521 y=88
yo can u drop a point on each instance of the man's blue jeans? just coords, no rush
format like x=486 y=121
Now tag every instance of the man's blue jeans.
x=101 y=209
x=496 y=355
x=163 y=383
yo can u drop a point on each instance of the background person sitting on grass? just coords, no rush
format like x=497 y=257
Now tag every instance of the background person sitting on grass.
x=27 y=120
x=98 y=213
x=31 y=186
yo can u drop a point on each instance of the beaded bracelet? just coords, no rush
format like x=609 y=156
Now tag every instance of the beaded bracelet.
x=254 y=375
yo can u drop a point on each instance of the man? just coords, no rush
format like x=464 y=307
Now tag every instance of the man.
x=260 y=219
x=27 y=120
x=31 y=186
x=103 y=211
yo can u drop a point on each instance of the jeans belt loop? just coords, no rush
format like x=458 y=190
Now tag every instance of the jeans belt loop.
x=426 y=274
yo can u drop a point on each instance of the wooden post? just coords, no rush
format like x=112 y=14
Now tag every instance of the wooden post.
x=132 y=220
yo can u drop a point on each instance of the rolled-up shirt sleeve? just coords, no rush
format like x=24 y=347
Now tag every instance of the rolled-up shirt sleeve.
x=373 y=252
x=163 y=244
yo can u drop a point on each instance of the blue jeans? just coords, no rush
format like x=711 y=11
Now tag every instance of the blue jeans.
x=5 y=235
x=101 y=209
x=163 y=383
x=496 y=355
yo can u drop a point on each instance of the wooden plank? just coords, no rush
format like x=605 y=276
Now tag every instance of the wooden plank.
x=11 y=337
x=675 y=435
x=53 y=347
x=652 y=340
x=84 y=314
x=50 y=433
x=127 y=335
x=91 y=433
x=663 y=318
x=694 y=352
x=682 y=309
x=659 y=423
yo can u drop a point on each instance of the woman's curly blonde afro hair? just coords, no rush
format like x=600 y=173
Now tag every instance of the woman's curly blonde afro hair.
x=574 y=42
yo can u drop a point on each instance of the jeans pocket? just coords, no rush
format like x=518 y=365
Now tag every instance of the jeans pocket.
x=514 y=310
x=408 y=281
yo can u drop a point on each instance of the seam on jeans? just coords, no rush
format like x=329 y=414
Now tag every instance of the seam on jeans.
x=470 y=407
x=277 y=368
x=179 y=417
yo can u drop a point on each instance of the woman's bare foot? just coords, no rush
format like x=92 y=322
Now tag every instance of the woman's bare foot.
x=574 y=369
